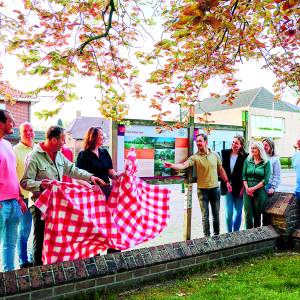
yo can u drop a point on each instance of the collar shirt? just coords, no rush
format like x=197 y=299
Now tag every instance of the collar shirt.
x=39 y=166
x=255 y=173
x=21 y=152
x=207 y=166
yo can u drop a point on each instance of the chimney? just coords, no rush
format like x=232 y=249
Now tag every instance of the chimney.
x=78 y=114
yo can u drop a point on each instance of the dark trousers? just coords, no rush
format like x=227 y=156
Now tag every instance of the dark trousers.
x=253 y=207
x=38 y=236
x=106 y=189
x=212 y=197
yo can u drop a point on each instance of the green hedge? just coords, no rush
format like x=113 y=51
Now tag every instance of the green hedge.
x=286 y=162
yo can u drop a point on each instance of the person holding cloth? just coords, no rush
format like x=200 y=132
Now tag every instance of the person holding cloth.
x=256 y=175
x=43 y=165
x=233 y=162
x=96 y=160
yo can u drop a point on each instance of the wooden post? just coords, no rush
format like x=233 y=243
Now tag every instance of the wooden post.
x=188 y=186
x=113 y=145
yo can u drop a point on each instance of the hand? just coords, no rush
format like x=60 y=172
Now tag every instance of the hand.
x=249 y=192
x=22 y=204
x=117 y=175
x=271 y=191
x=97 y=180
x=167 y=164
x=229 y=187
x=45 y=183
x=84 y=183
x=241 y=192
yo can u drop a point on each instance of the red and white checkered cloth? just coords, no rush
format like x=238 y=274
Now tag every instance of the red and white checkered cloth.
x=79 y=223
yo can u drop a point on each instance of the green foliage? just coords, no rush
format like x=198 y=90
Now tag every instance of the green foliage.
x=286 y=162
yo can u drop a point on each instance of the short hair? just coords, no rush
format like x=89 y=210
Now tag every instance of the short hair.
x=3 y=115
x=89 y=142
x=271 y=144
x=203 y=135
x=54 y=132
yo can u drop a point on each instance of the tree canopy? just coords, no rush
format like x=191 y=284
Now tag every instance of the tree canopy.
x=200 y=40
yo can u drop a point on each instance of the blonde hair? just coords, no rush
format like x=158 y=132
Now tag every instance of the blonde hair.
x=262 y=152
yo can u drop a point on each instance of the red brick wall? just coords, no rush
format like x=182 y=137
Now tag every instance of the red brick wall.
x=20 y=111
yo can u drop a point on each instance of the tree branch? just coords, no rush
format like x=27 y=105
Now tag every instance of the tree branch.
x=108 y=27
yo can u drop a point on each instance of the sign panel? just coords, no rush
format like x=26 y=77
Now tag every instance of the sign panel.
x=152 y=148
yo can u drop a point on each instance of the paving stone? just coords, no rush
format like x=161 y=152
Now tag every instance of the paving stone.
x=80 y=269
x=70 y=273
x=111 y=264
x=36 y=278
x=59 y=275
x=101 y=265
x=2 y=286
x=138 y=258
x=10 y=282
x=155 y=254
x=146 y=256
x=92 y=270
x=24 y=283
x=120 y=261
x=164 y=254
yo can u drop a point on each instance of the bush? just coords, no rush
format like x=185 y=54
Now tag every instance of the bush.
x=286 y=162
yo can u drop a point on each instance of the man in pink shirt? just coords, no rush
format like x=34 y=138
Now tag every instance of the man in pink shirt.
x=11 y=204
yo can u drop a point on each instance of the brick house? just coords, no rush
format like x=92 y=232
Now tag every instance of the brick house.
x=21 y=110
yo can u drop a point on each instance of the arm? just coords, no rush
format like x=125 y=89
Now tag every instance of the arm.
x=180 y=166
x=244 y=178
x=28 y=182
x=72 y=171
x=276 y=176
x=223 y=175
x=113 y=174
x=266 y=178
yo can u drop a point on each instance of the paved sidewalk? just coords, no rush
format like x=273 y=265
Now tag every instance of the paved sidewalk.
x=174 y=231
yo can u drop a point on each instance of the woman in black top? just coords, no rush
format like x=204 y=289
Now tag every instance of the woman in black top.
x=233 y=161
x=96 y=159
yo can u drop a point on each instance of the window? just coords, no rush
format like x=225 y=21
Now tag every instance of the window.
x=2 y=105
x=267 y=126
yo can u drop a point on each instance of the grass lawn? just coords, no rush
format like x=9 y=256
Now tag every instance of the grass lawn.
x=268 y=277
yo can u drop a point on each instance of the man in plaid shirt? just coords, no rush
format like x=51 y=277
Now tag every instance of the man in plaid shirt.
x=45 y=164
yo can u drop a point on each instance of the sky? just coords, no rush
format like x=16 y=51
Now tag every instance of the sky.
x=250 y=74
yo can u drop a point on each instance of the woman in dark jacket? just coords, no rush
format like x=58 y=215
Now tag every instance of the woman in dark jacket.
x=96 y=159
x=233 y=161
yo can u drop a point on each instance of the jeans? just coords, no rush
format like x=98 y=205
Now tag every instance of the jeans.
x=212 y=196
x=38 y=236
x=10 y=214
x=24 y=232
x=233 y=212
